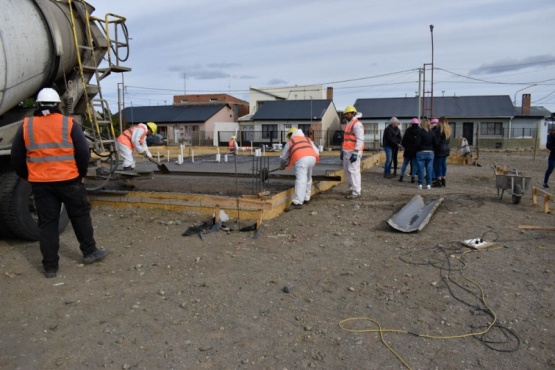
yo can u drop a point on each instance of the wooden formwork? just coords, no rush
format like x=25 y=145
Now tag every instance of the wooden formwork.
x=547 y=197
x=251 y=207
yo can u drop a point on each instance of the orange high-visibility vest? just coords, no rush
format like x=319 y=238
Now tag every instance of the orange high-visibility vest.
x=232 y=145
x=300 y=146
x=50 y=151
x=349 y=137
x=126 y=136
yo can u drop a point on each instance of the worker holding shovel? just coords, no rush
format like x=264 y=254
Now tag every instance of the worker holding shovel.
x=300 y=151
x=134 y=138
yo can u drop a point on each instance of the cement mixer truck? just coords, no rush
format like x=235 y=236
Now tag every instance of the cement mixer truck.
x=59 y=44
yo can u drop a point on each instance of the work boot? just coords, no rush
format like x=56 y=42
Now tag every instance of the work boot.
x=293 y=206
x=400 y=178
x=49 y=274
x=97 y=255
x=443 y=182
x=436 y=183
x=412 y=179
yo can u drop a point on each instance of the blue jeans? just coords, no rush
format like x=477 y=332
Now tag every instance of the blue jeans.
x=441 y=167
x=388 y=158
x=412 y=162
x=425 y=161
x=550 y=168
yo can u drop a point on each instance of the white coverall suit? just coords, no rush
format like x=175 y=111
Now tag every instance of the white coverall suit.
x=138 y=142
x=303 y=170
x=352 y=169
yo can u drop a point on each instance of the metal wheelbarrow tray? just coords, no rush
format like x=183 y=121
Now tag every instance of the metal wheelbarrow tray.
x=513 y=180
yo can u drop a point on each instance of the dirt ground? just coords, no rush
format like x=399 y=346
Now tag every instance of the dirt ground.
x=310 y=291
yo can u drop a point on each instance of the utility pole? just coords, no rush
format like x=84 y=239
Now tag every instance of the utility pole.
x=432 y=83
x=420 y=93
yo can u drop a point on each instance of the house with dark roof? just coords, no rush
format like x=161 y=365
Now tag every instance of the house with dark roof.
x=191 y=124
x=273 y=118
x=487 y=121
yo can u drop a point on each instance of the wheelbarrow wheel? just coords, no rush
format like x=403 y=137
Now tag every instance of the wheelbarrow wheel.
x=517 y=193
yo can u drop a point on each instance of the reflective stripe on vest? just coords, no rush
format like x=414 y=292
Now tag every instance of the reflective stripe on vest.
x=50 y=151
x=300 y=146
x=349 y=137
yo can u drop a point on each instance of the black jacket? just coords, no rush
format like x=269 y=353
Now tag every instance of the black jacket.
x=427 y=140
x=551 y=145
x=391 y=136
x=443 y=148
x=410 y=141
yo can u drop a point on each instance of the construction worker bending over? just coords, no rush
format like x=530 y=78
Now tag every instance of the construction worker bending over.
x=135 y=138
x=351 y=152
x=51 y=152
x=233 y=146
x=301 y=152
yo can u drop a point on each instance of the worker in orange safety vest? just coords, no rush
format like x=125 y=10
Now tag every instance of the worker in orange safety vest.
x=300 y=151
x=134 y=138
x=233 y=145
x=351 y=153
x=51 y=152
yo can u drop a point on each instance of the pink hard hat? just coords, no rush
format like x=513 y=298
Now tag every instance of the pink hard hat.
x=415 y=121
x=435 y=121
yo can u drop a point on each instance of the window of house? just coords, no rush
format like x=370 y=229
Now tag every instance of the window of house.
x=184 y=101
x=269 y=131
x=453 y=129
x=491 y=128
x=213 y=99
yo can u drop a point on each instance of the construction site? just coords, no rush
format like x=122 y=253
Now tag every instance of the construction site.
x=249 y=185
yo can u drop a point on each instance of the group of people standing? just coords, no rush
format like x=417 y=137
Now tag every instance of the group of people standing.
x=425 y=147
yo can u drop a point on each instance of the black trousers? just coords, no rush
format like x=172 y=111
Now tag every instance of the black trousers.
x=394 y=155
x=48 y=201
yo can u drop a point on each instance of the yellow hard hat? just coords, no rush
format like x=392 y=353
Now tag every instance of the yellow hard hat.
x=290 y=132
x=350 y=109
x=152 y=126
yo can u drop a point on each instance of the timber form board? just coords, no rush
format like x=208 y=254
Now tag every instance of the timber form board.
x=250 y=207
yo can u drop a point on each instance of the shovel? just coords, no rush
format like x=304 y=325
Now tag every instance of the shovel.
x=161 y=167
x=265 y=173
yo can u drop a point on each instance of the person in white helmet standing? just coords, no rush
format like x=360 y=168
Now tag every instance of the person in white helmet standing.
x=51 y=152
x=134 y=138
x=351 y=153
x=300 y=151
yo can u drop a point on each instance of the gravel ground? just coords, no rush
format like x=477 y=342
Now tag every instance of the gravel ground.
x=311 y=291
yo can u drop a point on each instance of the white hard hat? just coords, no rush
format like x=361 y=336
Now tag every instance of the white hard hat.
x=48 y=95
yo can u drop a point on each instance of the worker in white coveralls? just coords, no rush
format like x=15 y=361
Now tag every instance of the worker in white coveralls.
x=351 y=152
x=134 y=138
x=301 y=152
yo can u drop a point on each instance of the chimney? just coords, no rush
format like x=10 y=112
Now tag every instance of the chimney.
x=329 y=93
x=526 y=100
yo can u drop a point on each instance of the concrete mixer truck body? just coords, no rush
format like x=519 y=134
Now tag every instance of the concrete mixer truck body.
x=59 y=44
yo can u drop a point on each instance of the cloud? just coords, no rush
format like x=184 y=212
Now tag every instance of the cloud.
x=276 y=82
x=511 y=64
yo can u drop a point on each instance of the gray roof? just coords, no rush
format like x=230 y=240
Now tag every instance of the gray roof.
x=298 y=110
x=192 y=113
x=452 y=107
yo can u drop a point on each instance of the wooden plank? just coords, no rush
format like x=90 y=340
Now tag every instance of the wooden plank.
x=536 y=227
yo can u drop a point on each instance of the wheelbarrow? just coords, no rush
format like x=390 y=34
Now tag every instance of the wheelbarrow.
x=512 y=180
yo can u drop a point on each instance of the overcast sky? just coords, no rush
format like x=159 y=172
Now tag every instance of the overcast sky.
x=363 y=49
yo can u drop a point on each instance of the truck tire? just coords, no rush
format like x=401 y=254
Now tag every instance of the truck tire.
x=17 y=208
x=4 y=232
